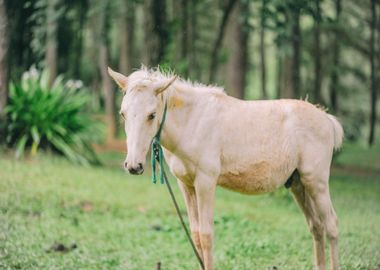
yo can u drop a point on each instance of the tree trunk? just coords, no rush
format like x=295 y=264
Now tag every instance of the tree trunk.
x=372 y=59
x=334 y=87
x=279 y=74
x=3 y=59
x=377 y=67
x=149 y=37
x=78 y=44
x=51 y=40
x=238 y=61
x=127 y=36
x=287 y=89
x=107 y=85
x=290 y=63
x=218 y=42
x=155 y=30
x=263 y=64
x=108 y=92
x=182 y=43
x=94 y=26
x=192 y=56
x=184 y=35
x=296 y=44
x=317 y=54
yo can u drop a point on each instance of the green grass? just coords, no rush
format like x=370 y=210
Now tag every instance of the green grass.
x=122 y=222
x=358 y=155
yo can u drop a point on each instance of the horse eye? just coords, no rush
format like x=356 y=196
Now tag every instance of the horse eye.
x=151 y=116
x=122 y=115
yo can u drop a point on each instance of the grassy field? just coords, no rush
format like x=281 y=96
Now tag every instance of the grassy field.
x=105 y=219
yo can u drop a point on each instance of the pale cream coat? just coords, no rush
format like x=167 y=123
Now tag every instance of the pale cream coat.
x=252 y=147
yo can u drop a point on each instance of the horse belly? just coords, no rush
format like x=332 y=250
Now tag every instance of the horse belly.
x=258 y=178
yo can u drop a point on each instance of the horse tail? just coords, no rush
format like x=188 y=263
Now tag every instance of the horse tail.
x=338 y=131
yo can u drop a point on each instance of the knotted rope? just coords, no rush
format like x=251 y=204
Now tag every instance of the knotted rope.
x=158 y=157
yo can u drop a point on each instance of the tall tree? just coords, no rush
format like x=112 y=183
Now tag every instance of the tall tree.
x=51 y=40
x=238 y=62
x=279 y=74
x=93 y=51
x=372 y=59
x=156 y=35
x=296 y=47
x=263 y=65
x=184 y=49
x=103 y=63
x=317 y=53
x=286 y=86
x=181 y=10
x=334 y=87
x=194 y=70
x=219 y=39
x=81 y=10
x=127 y=36
x=290 y=45
x=3 y=58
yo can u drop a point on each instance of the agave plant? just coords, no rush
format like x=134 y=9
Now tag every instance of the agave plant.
x=46 y=117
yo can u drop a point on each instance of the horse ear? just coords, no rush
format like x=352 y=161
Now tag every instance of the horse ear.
x=119 y=78
x=163 y=86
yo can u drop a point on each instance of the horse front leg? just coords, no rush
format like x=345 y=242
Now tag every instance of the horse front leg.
x=205 y=193
x=192 y=212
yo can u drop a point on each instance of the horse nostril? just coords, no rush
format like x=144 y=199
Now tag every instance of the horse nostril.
x=132 y=170
x=125 y=164
x=137 y=170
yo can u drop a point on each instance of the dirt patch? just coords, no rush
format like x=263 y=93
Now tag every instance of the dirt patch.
x=86 y=206
x=111 y=146
x=61 y=248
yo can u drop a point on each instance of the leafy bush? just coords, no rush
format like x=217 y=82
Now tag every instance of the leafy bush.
x=51 y=118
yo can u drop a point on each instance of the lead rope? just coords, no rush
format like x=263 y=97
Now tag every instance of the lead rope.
x=157 y=156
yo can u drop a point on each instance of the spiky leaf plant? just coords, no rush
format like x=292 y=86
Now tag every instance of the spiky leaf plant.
x=50 y=118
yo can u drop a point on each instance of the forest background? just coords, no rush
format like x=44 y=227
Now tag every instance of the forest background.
x=326 y=51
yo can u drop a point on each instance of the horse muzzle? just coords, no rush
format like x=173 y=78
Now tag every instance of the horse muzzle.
x=137 y=170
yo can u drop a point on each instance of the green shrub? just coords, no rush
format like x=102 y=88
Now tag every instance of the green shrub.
x=50 y=118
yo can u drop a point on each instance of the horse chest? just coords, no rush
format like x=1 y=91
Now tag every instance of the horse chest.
x=181 y=172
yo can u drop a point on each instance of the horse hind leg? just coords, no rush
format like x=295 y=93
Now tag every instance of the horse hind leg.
x=312 y=218
x=332 y=234
x=320 y=195
x=317 y=190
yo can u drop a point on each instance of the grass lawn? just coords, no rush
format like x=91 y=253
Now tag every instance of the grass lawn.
x=117 y=221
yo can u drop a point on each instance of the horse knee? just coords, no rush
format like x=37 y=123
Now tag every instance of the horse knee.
x=332 y=234
x=332 y=230
x=317 y=230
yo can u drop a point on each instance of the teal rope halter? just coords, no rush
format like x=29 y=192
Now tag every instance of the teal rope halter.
x=158 y=156
x=157 y=153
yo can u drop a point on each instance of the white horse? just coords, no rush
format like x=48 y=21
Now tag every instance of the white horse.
x=252 y=147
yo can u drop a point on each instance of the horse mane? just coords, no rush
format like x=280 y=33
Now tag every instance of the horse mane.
x=318 y=106
x=153 y=74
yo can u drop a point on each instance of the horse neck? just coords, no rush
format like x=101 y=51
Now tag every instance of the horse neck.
x=181 y=102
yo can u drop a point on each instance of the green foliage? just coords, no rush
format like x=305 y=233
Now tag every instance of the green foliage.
x=187 y=30
x=49 y=117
